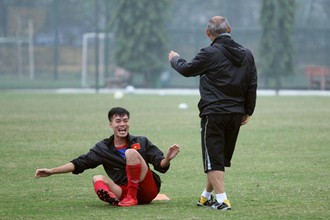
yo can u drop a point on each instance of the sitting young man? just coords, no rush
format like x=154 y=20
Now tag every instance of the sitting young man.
x=125 y=159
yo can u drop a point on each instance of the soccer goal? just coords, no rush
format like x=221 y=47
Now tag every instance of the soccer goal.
x=18 y=52
x=88 y=61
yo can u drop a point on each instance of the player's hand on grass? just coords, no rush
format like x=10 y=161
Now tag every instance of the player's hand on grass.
x=42 y=173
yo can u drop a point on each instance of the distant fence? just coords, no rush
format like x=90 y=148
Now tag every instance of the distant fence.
x=311 y=48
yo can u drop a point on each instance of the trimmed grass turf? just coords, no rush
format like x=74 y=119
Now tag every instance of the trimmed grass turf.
x=280 y=167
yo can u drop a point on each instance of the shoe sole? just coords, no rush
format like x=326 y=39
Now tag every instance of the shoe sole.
x=104 y=196
x=223 y=209
x=124 y=203
x=201 y=205
x=127 y=205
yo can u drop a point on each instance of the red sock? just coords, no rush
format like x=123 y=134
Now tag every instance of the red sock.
x=100 y=185
x=133 y=178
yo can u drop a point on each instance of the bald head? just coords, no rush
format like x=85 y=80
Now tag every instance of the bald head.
x=217 y=25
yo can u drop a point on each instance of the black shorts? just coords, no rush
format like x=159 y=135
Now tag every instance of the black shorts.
x=219 y=134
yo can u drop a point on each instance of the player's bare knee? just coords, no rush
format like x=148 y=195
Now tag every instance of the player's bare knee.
x=97 y=178
x=132 y=156
x=131 y=153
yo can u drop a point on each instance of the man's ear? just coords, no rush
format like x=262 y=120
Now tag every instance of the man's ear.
x=207 y=32
x=228 y=29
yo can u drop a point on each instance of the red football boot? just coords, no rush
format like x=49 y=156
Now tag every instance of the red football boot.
x=128 y=201
x=107 y=196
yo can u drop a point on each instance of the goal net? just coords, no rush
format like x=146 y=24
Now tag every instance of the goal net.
x=88 y=57
x=17 y=55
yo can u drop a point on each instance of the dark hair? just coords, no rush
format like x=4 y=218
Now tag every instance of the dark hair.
x=117 y=111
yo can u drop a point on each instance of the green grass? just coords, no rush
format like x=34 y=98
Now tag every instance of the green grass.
x=280 y=168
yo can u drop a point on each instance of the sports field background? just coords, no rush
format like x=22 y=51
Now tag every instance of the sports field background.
x=280 y=168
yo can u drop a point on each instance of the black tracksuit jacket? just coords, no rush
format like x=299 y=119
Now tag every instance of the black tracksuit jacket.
x=104 y=153
x=228 y=77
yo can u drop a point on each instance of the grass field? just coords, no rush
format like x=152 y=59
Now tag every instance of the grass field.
x=280 y=168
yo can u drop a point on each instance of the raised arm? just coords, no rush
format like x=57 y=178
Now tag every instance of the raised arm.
x=45 y=172
x=171 y=154
x=195 y=67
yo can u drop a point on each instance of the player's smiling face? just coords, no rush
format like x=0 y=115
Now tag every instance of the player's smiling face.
x=120 y=125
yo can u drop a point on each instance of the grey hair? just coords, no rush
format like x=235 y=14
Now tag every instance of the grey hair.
x=217 y=25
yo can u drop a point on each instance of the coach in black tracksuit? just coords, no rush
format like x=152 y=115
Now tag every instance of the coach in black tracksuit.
x=228 y=83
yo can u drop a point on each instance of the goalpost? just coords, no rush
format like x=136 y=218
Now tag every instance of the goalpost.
x=20 y=42
x=85 y=61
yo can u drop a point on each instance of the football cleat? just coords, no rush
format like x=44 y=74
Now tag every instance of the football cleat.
x=203 y=201
x=221 y=206
x=108 y=197
x=128 y=201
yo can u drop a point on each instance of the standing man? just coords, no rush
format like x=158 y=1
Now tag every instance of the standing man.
x=228 y=84
x=125 y=159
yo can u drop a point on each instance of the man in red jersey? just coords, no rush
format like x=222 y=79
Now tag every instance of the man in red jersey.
x=125 y=159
